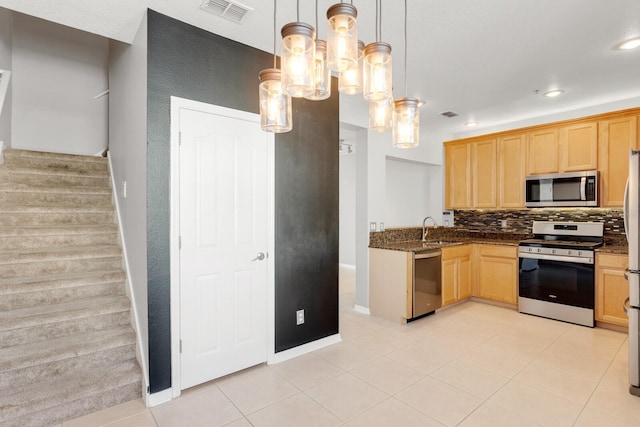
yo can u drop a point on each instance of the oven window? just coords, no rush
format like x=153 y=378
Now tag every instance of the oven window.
x=557 y=281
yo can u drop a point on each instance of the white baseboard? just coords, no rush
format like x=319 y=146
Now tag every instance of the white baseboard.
x=155 y=399
x=303 y=349
x=360 y=309
x=347 y=266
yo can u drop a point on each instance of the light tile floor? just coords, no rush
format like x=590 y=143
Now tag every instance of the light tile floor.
x=471 y=365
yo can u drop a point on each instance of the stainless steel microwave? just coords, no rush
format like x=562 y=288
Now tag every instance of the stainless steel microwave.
x=562 y=189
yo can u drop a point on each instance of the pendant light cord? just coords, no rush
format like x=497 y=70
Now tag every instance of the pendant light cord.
x=275 y=2
x=405 y=48
x=298 y=10
x=378 y=20
x=317 y=29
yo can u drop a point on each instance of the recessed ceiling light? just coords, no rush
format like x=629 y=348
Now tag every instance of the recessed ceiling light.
x=629 y=44
x=553 y=93
x=471 y=124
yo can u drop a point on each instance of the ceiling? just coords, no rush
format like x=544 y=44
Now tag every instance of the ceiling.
x=484 y=60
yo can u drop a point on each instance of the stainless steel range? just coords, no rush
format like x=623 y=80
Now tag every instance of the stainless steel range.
x=557 y=271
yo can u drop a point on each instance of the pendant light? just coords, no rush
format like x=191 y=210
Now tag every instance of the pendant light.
x=377 y=66
x=342 y=37
x=321 y=71
x=275 y=103
x=298 y=57
x=406 y=115
x=381 y=115
x=350 y=81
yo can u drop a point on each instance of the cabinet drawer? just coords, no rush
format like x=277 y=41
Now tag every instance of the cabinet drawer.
x=498 y=251
x=455 y=252
x=613 y=261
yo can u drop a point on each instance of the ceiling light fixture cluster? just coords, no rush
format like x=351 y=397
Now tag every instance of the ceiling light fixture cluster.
x=307 y=62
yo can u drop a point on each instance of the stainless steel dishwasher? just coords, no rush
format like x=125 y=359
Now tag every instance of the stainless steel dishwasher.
x=427 y=283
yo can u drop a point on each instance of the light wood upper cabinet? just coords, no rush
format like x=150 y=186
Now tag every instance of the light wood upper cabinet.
x=497 y=273
x=611 y=289
x=579 y=147
x=456 y=273
x=458 y=176
x=617 y=137
x=483 y=162
x=542 y=153
x=511 y=170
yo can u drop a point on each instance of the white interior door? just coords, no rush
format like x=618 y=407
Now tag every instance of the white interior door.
x=223 y=222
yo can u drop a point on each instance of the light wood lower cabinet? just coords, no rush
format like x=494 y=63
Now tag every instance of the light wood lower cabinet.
x=611 y=288
x=456 y=273
x=390 y=282
x=497 y=273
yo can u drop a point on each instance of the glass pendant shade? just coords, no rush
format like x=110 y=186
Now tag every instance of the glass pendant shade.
x=298 y=59
x=275 y=103
x=406 y=123
x=342 y=37
x=350 y=81
x=322 y=73
x=377 y=72
x=381 y=115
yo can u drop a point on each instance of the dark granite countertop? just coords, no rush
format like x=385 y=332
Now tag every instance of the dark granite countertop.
x=613 y=249
x=419 y=246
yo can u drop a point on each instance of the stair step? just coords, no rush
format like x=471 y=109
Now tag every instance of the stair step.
x=71 y=163
x=61 y=281
x=40 y=316
x=42 y=198
x=12 y=153
x=59 y=261
x=38 y=209
x=12 y=238
x=58 y=349
x=90 y=385
x=33 y=324
x=17 y=219
x=53 y=171
x=14 y=176
x=32 y=188
x=42 y=372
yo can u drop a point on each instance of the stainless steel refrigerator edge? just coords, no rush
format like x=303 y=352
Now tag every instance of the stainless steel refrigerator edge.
x=631 y=209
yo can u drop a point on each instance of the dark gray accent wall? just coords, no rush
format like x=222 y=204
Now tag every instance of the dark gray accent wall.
x=191 y=63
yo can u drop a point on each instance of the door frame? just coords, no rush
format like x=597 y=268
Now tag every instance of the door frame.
x=176 y=105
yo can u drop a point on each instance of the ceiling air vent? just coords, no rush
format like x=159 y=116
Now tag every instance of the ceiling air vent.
x=449 y=114
x=231 y=10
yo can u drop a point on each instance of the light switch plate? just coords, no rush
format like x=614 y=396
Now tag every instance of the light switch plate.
x=372 y=226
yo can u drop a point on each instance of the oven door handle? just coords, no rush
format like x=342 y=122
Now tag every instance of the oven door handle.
x=626 y=306
x=557 y=258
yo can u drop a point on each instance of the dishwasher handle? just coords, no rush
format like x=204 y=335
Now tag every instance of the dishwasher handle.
x=427 y=255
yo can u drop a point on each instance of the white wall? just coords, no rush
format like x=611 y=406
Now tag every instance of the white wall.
x=56 y=73
x=348 y=200
x=407 y=192
x=5 y=64
x=128 y=152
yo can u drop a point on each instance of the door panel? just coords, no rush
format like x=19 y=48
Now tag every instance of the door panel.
x=223 y=226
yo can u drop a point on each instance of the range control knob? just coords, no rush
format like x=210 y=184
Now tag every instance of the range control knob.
x=539 y=250
x=569 y=253
x=553 y=251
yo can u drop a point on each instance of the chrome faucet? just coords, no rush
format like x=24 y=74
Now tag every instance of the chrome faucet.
x=425 y=230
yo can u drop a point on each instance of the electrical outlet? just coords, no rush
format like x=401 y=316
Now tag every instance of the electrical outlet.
x=299 y=317
x=124 y=189
x=382 y=226
x=503 y=223
x=372 y=226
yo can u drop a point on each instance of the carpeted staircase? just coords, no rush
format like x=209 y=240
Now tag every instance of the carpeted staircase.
x=67 y=347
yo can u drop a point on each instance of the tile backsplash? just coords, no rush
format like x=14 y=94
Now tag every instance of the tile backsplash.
x=521 y=220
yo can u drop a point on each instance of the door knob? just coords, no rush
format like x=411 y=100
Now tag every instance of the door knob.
x=259 y=257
